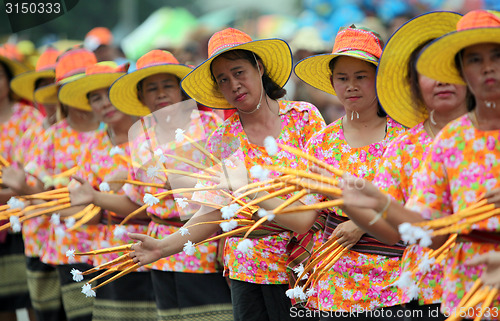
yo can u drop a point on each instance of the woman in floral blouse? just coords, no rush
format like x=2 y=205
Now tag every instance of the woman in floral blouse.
x=462 y=166
x=249 y=76
x=361 y=279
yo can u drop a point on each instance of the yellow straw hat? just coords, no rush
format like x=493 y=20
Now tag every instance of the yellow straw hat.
x=393 y=87
x=123 y=93
x=354 y=42
x=437 y=60
x=24 y=84
x=275 y=54
x=15 y=67
x=70 y=66
x=100 y=75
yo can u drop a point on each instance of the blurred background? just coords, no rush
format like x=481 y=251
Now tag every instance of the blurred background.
x=132 y=28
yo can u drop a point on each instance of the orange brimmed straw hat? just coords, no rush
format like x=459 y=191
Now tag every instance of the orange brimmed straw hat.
x=275 y=54
x=123 y=93
x=98 y=76
x=393 y=85
x=24 y=84
x=70 y=66
x=437 y=60
x=353 y=42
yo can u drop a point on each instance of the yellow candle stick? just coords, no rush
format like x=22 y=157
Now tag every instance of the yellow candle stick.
x=120 y=248
x=119 y=275
x=290 y=201
x=112 y=270
x=283 y=191
x=136 y=183
x=46 y=211
x=194 y=175
x=86 y=218
x=486 y=304
x=120 y=259
x=227 y=234
x=316 y=206
x=67 y=173
x=304 y=174
x=202 y=149
x=192 y=163
x=4 y=162
x=259 y=189
x=468 y=222
x=299 y=153
x=257 y=184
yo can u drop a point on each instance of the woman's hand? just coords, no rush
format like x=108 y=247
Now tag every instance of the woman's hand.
x=491 y=276
x=362 y=193
x=493 y=197
x=348 y=234
x=14 y=177
x=147 y=250
x=83 y=194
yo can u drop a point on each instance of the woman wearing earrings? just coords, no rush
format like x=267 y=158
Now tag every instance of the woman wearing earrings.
x=464 y=161
x=249 y=76
x=361 y=279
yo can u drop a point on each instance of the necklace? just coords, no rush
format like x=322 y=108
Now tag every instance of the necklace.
x=428 y=128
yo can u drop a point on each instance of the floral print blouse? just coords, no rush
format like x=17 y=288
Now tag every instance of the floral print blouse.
x=396 y=177
x=463 y=163
x=265 y=262
x=357 y=280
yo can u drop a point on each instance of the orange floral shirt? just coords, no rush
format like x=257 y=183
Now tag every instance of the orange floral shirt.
x=463 y=163
x=358 y=280
x=265 y=262
x=60 y=149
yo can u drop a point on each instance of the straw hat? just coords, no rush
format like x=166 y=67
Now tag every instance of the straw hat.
x=24 y=84
x=14 y=66
x=98 y=76
x=437 y=60
x=70 y=66
x=353 y=42
x=275 y=54
x=123 y=93
x=393 y=87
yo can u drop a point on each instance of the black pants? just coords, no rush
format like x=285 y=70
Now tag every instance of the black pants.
x=262 y=302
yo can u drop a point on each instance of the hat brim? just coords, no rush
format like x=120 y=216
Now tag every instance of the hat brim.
x=48 y=94
x=75 y=93
x=276 y=57
x=311 y=69
x=393 y=87
x=24 y=84
x=437 y=60
x=15 y=67
x=123 y=92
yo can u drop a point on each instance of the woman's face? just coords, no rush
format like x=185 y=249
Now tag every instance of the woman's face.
x=354 y=82
x=102 y=107
x=160 y=90
x=239 y=81
x=481 y=70
x=440 y=96
x=4 y=84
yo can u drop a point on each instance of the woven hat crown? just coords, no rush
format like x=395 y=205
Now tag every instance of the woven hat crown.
x=73 y=62
x=156 y=57
x=479 y=19
x=353 y=38
x=225 y=39
x=47 y=59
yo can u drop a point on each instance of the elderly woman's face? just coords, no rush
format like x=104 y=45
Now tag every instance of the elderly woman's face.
x=481 y=70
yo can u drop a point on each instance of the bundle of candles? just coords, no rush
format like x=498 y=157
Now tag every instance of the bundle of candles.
x=476 y=295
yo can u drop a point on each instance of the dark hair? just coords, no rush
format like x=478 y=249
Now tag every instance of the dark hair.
x=272 y=89
x=140 y=83
x=412 y=75
x=380 y=111
x=10 y=75
x=470 y=99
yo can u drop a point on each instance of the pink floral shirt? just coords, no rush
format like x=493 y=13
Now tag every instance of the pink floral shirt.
x=463 y=163
x=60 y=149
x=200 y=126
x=396 y=176
x=357 y=280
